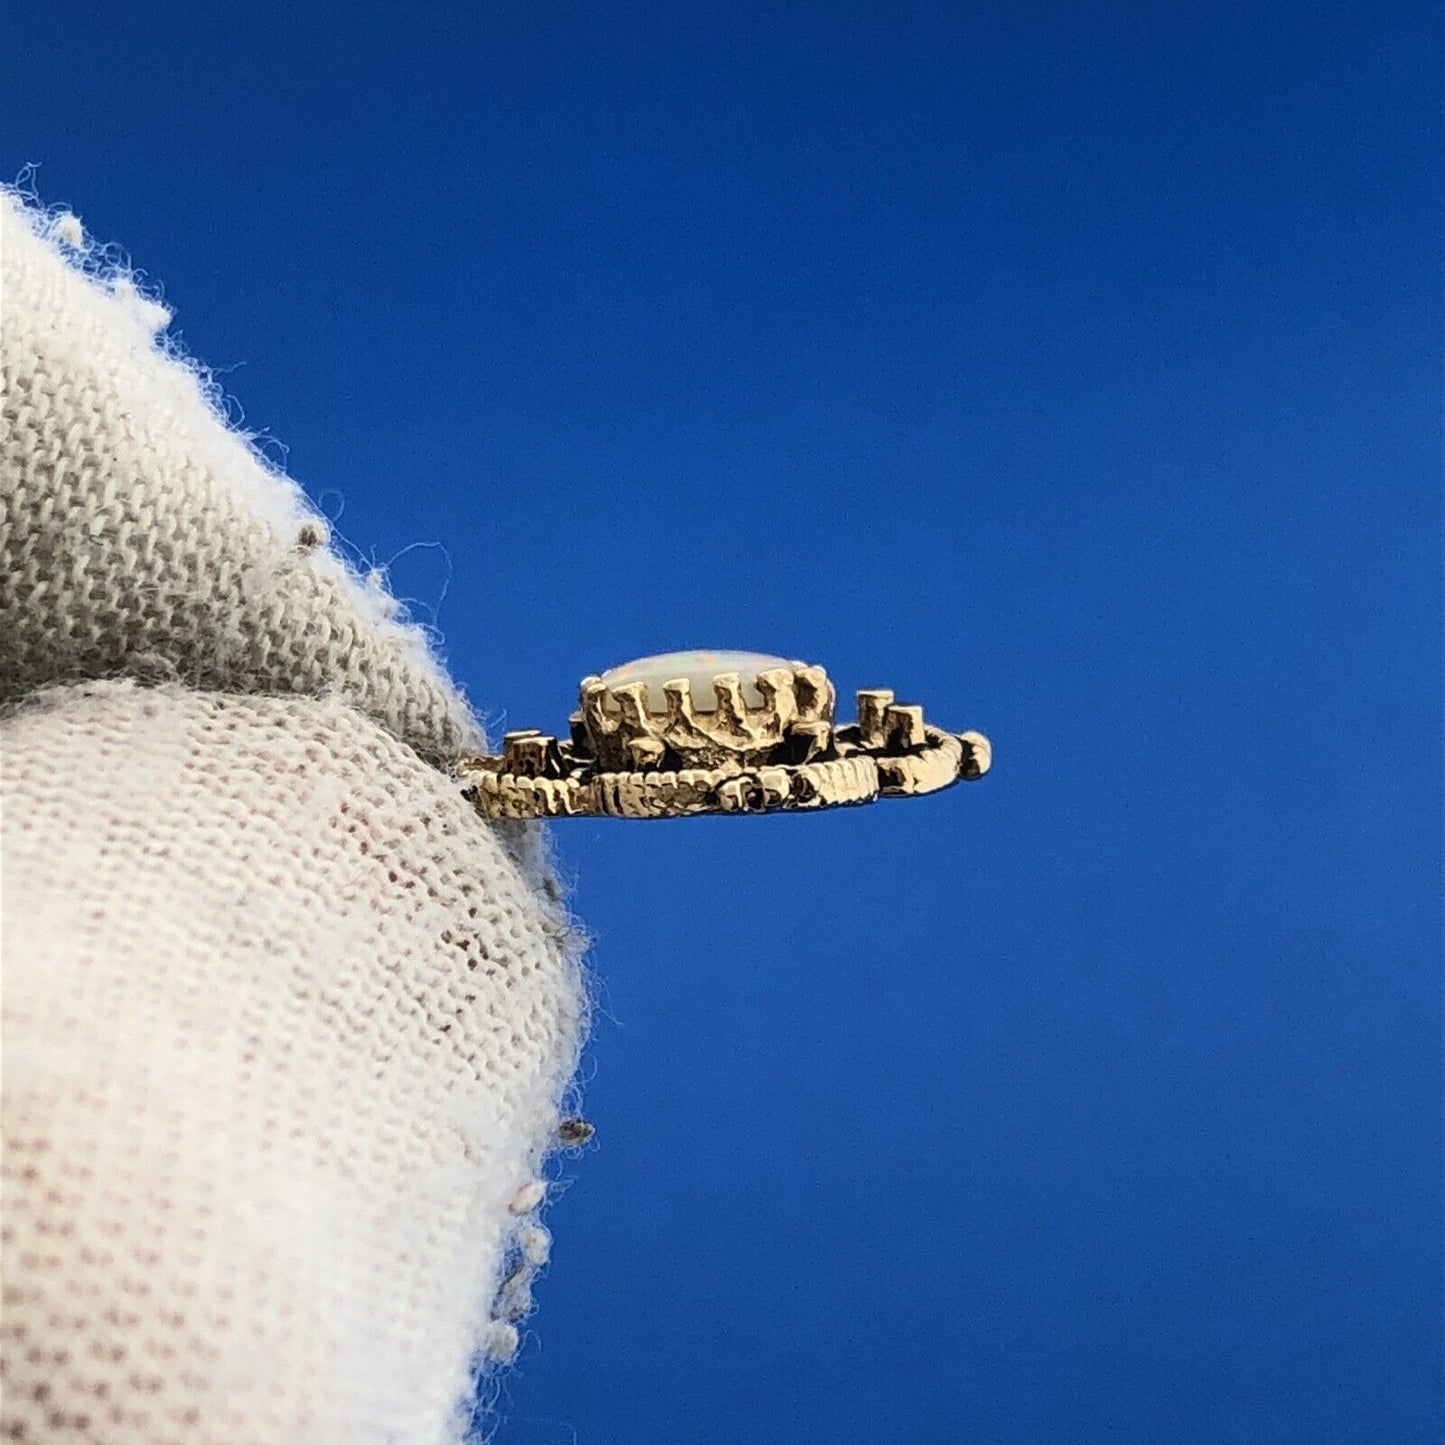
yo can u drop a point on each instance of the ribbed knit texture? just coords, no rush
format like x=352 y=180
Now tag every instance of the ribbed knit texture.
x=285 y=1026
x=138 y=534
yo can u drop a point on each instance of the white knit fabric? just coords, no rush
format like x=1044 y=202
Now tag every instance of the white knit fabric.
x=141 y=535
x=286 y=1026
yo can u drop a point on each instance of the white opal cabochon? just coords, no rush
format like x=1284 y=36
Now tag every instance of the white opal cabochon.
x=699 y=668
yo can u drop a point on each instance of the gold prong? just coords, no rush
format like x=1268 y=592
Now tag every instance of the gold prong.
x=780 y=699
x=815 y=693
x=530 y=754
x=593 y=701
x=903 y=726
x=678 y=693
x=873 y=704
x=729 y=689
x=512 y=743
x=632 y=701
x=772 y=681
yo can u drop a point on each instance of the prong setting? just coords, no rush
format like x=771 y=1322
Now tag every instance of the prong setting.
x=641 y=746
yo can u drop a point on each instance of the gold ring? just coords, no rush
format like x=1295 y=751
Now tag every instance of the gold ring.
x=719 y=732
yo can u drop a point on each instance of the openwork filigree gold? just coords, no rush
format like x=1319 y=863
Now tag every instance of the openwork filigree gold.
x=645 y=744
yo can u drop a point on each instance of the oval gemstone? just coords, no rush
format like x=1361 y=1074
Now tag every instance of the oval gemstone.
x=699 y=668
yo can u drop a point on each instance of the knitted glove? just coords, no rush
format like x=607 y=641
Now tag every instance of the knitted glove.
x=286 y=1025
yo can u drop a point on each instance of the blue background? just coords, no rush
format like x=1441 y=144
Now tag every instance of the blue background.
x=1073 y=370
